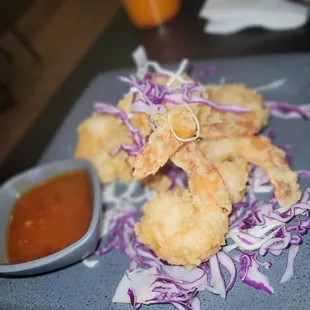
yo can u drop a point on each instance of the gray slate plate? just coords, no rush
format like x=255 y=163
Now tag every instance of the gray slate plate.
x=79 y=287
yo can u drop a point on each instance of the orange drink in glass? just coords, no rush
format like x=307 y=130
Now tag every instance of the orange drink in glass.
x=150 y=13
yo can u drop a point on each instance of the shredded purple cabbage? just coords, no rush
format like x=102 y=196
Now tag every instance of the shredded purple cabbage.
x=132 y=297
x=250 y=274
x=304 y=173
x=154 y=96
x=288 y=111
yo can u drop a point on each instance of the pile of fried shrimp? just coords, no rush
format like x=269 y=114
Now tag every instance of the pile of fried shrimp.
x=186 y=226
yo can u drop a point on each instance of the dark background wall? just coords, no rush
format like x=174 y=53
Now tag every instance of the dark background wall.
x=13 y=9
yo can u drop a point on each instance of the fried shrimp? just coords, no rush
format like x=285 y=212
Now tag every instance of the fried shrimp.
x=96 y=129
x=98 y=136
x=162 y=143
x=235 y=173
x=219 y=124
x=178 y=121
x=259 y=151
x=213 y=123
x=187 y=228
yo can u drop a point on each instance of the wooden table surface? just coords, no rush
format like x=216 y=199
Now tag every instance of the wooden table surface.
x=182 y=37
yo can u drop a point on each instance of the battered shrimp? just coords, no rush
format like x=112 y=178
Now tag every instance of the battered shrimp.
x=99 y=135
x=188 y=228
x=218 y=124
x=261 y=152
x=162 y=143
x=142 y=121
x=235 y=173
x=213 y=125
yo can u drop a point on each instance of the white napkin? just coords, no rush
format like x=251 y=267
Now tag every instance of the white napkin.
x=229 y=16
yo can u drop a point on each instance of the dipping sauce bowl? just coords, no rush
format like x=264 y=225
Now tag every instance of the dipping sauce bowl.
x=38 y=179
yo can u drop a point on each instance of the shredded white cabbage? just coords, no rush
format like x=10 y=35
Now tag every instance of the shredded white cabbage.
x=90 y=263
x=177 y=75
x=244 y=246
x=140 y=58
x=270 y=86
x=140 y=281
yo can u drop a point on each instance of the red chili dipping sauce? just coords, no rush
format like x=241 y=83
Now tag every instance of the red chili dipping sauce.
x=50 y=217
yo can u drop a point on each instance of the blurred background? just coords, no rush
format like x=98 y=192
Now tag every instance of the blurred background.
x=51 y=49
